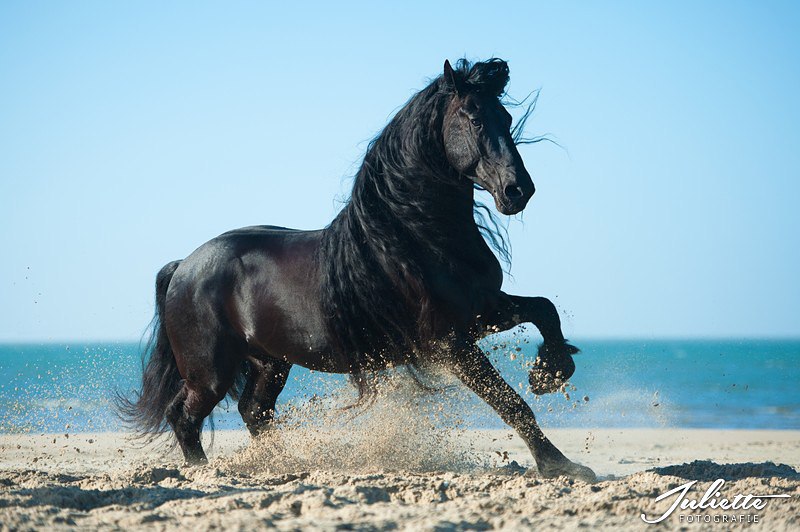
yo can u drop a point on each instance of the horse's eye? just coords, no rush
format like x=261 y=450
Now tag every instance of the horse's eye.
x=475 y=122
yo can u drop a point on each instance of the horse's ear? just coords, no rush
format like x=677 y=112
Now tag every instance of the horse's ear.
x=450 y=78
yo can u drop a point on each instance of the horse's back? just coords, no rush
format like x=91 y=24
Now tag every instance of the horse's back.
x=228 y=253
x=241 y=254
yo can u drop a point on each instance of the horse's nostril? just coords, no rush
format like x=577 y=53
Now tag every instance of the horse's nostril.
x=513 y=192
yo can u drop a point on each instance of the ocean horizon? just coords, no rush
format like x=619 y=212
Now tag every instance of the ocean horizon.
x=625 y=383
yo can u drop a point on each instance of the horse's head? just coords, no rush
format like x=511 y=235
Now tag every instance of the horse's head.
x=477 y=134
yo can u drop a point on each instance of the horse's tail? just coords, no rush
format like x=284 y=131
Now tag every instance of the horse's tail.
x=161 y=381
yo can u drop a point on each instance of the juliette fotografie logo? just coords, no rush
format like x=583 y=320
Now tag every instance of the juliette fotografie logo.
x=742 y=508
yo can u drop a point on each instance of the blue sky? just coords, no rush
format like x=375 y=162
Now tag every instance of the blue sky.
x=132 y=133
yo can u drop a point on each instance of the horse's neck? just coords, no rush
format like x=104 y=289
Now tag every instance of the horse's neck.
x=449 y=234
x=439 y=231
x=459 y=224
x=427 y=207
x=445 y=214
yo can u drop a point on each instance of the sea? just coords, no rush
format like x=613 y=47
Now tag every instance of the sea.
x=720 y=384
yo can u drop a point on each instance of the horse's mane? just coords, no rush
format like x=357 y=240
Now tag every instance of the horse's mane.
x=374 y=293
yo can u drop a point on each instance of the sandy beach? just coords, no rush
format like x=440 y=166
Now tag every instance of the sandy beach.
x=305 y=478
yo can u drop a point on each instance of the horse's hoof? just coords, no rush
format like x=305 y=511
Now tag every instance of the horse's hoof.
x=552 y=368
x=568 y=469
x=570 y=349
x=194 y=461
x=543 y=382
x=557 y=350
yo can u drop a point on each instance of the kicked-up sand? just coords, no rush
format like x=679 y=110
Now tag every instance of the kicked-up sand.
x=301 y=478
x=407 y=461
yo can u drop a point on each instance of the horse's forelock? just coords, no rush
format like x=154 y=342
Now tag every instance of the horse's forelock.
x=490 y=76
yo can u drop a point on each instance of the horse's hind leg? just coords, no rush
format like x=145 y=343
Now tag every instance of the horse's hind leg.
x=186 y=414
x=208 y=377
x=264 y=383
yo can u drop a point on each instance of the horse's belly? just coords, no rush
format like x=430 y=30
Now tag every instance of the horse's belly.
x=298 y=344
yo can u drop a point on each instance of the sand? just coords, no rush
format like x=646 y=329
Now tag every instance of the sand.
x=310 y=478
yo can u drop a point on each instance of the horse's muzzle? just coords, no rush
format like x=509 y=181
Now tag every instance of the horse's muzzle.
x=513 y=198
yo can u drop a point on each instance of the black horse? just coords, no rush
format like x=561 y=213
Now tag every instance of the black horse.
x=402 y=276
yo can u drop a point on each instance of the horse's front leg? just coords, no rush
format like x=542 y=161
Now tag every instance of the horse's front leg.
x=554 y=364
x=473 y=368
x=513 y=310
